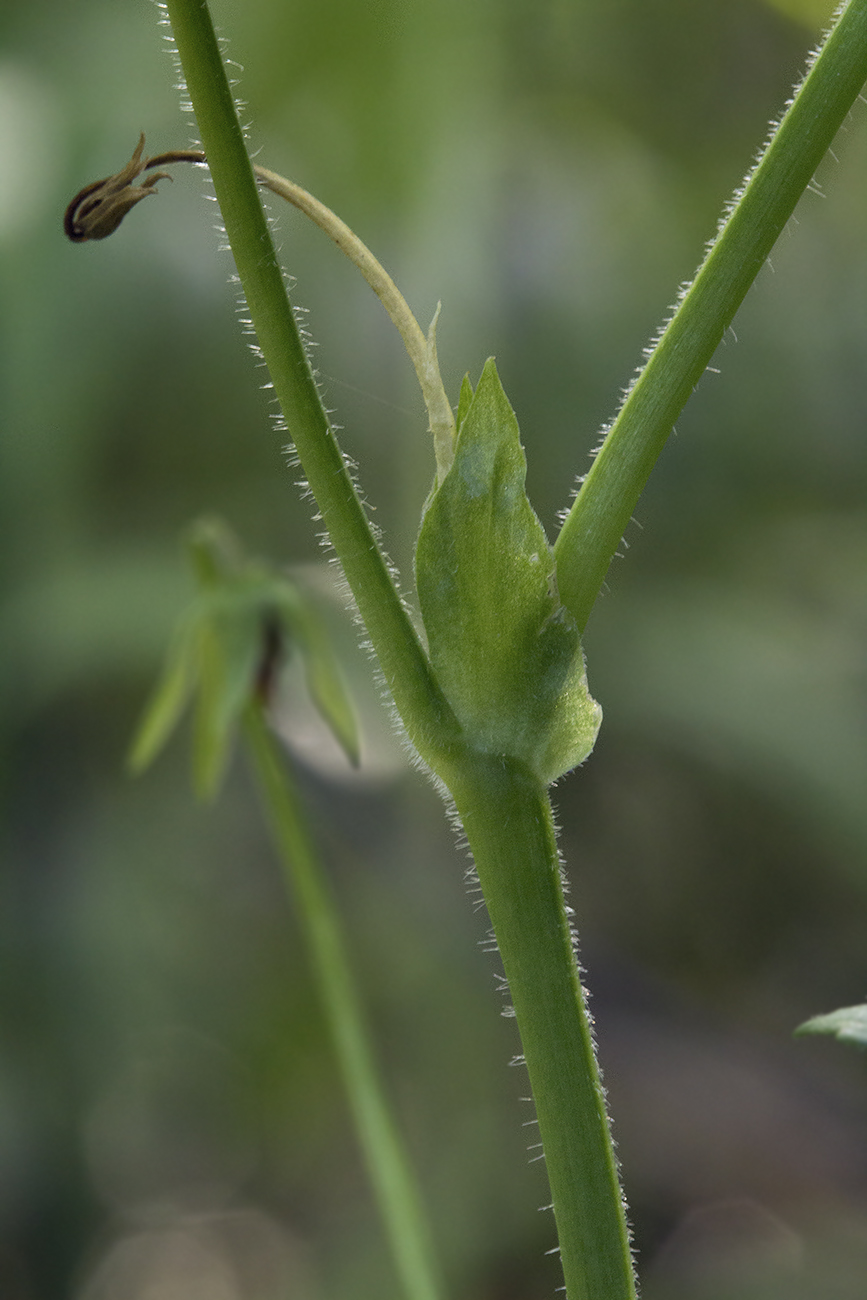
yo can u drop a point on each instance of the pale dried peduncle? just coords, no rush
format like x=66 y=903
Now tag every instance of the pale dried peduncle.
x=97 y=210
x=422 y=350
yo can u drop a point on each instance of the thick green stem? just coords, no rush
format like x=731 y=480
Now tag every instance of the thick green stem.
x=402 y=659
x=595 y=525
x=506 y=814
x=504 y=810
x=394 y=1186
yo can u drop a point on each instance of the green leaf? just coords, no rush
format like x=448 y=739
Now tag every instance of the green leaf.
x=849 y=1024
x=325 y=681
x=506 y=652
x=227 y=649
x=213 y=551
x=466 y=397
x=169 y=699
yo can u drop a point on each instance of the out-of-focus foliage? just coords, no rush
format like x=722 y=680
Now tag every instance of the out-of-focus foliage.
x=170 y=1120
x=849 y=1024
x=230 y=648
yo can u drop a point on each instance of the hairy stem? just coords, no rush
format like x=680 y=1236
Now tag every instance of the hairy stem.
x=504 y=809
x=595 y=525
x=506 y=814
x=403 y=661
x=421 y=350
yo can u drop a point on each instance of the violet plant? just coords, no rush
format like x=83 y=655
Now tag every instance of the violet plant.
x=493 y=696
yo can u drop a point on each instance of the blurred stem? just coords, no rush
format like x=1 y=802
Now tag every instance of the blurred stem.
x=393 y=1183
x=604 y=506
x=507 y=817
x=405 y=666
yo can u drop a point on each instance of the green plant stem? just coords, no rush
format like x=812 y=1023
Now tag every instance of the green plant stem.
x=403 y=661
x=599 y=516
x=507 y=818
x=394 y=1186
x=422 y=350
x=504 y=811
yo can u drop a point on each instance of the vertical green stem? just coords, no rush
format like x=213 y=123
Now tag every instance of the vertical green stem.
x=603 y=508
x=506 y=814
x=402 y=659
x=394 y=1186
x=504 y=810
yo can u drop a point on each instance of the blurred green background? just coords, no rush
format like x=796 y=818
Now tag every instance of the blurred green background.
x=171 y=1127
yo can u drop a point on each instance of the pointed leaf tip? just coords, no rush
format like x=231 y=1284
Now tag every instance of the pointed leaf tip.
x=507 y=654
x=168 y=701
x=326 y=682
x=849 y=1025
x=228 y=651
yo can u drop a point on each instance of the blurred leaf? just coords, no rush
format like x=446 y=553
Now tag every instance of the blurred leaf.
x=507 y=654
x=228 y=650
x=325 y=680
x=213 y=550
x=169 y=699
x=849 y=1024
